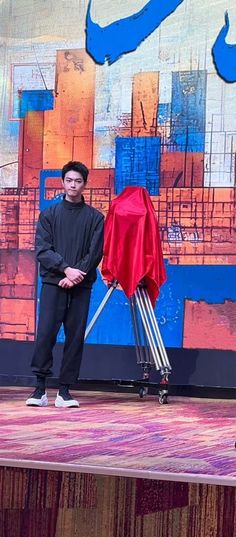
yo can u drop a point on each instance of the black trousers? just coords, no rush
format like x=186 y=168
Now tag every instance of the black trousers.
x=57 y=306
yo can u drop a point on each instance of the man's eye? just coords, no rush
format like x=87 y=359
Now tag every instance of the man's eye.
x=69 y=181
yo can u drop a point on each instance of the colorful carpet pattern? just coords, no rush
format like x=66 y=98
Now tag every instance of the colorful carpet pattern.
x=121 y=431
x=46 y=503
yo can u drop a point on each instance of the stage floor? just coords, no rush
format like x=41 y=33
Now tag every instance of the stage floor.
x=120 y=434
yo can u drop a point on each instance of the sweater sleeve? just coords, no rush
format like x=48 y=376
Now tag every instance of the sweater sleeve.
x=94 y=255
x=45 y=253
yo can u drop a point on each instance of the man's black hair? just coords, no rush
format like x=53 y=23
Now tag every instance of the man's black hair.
x=76 y=167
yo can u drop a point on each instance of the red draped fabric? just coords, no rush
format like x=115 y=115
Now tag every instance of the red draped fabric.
x=132 y=249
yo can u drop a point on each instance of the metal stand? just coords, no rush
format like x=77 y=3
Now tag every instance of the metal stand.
x=150 y=349
x=100 y=308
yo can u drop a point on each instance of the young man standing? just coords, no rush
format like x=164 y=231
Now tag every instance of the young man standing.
x=69 y=246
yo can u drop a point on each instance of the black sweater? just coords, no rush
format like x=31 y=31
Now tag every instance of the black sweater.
x=69 y=235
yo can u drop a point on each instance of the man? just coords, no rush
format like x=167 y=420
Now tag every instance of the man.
x=69 y=245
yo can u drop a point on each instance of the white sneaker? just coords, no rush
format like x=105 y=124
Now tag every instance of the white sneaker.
x=37 y=398
x=66 y=401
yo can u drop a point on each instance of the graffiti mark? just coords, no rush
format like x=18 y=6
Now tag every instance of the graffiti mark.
x=224 y=54
x=125 y=35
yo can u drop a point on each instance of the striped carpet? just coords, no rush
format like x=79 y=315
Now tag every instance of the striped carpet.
x=46 y=503
x=121 y=434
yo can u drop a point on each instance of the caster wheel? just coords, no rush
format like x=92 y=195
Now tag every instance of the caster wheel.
x=163 y=400
x=143 y=392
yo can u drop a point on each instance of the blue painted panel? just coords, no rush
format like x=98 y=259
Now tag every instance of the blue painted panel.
x=138 y=163
x=164 y=113
x=188 y=110
x=35 y=101
x=44 y=175
x=212 y=284
x=13 y=128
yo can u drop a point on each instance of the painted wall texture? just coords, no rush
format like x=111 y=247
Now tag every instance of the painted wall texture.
x=154 y=111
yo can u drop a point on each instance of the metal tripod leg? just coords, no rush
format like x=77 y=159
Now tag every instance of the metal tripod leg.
x=137 y=335
x=155 y=341
x=147 y=328
x=147 y=301
x=100 y=308
x=152 y=329
x=144 y=357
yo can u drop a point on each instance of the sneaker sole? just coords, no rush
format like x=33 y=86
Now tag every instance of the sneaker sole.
x=66 y=404
x=33 y=402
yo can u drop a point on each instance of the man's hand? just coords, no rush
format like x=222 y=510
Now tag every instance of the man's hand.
x=74 y=275
x=66 y=283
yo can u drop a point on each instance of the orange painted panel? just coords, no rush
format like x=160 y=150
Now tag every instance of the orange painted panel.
x=8 y=223
x=145 y=101
x=58 y=149
x=19 y=213
x=73 y=114
x=17 y=319
x=82 y=149
x=28 y=216
x=20 y=152
x=31 y=156
x=17 y=268
x=211 y=326
x=54 y=182
x=182 y=170
x=101 y=178
x=190 y=220
x=17 y=291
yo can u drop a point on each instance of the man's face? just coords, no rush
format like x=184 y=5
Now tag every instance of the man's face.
x=74 y=185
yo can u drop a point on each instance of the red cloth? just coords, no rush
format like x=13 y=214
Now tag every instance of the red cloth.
x=132 y=247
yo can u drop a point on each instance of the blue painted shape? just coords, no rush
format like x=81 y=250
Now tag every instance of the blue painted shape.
x=212 y=283
x=13 y=129
x=35 y=101
x=138 y=163
x=114 y=325
x=44 y=175
x=224 y=54
x=125 y=35
x=188 y=111
x=164 y=113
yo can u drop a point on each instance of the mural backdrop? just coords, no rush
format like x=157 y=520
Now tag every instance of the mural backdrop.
x=141 y=102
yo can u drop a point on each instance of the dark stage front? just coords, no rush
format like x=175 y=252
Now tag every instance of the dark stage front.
x=209 y=370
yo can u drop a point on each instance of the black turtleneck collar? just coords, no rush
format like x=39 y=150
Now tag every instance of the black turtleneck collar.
x=69 y=205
